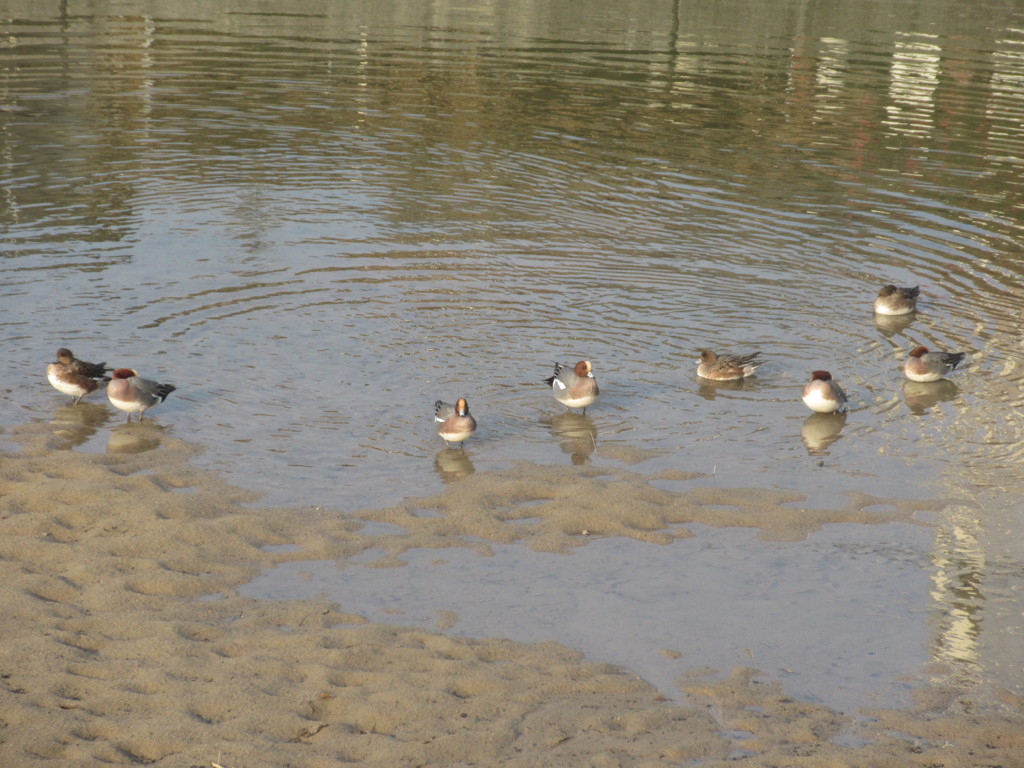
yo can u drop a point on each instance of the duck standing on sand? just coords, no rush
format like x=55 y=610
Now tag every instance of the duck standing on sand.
x=133 y=394
x=574 y=386
x=76 y=377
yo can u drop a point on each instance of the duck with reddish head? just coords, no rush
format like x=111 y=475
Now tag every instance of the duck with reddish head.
x=574 y=386
x=822 y=395
x=131 y=393
x=454 y=422
x=923 y=365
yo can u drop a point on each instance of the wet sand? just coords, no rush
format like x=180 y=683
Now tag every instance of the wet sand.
x=126 y=642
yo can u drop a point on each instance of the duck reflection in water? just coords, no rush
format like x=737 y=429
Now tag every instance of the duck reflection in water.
x=893 y=325
x=922 y=396
x=135 y=437
x=709 y=389
x=453 y=464
x=73 y=425
x=576 y=434
x=820 y=430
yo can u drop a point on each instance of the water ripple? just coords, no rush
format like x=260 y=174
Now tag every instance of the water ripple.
x=318 y=232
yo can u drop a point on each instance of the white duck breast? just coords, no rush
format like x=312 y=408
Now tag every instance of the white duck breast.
x=454 y=422
x=822 y=395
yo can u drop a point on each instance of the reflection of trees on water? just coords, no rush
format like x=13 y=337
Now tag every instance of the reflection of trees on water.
x=778 y=84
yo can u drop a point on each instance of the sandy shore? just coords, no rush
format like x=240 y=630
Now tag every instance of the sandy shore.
x=124 y=640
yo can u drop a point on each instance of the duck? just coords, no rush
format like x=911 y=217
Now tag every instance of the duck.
x=574 y=386
x=454 y=422
x=923 y=365
x=893 y=300
x=822 y=395
x=75 y=377
x=726 y=367
x=131 y=393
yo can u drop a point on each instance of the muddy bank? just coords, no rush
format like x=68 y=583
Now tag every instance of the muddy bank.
x=125 y=641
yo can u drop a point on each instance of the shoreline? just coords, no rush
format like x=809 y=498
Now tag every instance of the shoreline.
x=125 y=639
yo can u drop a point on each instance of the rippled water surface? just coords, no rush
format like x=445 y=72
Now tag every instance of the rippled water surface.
x=317 y=222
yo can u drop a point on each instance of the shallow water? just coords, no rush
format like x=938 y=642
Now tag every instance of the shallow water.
x=316 y=223
x=716 y=600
